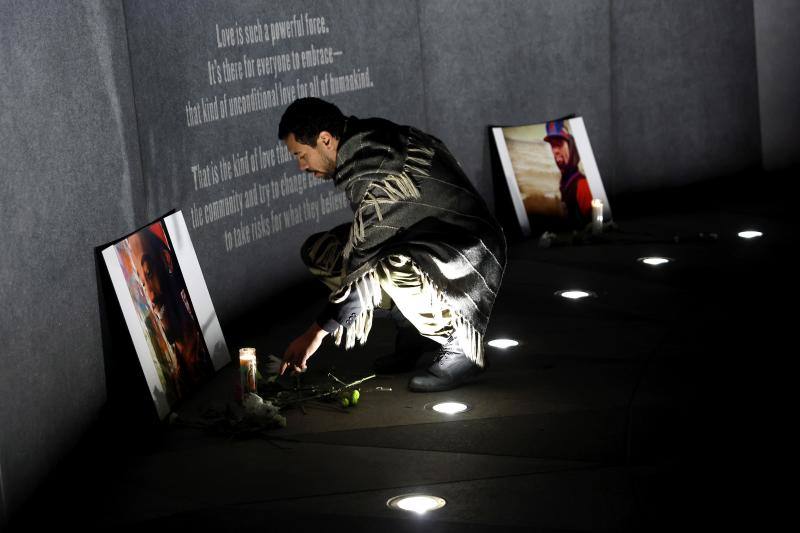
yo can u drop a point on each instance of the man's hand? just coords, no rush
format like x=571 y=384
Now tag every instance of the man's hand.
x=302 y=348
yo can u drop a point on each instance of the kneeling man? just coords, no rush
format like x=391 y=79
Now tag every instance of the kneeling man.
x=422 y=244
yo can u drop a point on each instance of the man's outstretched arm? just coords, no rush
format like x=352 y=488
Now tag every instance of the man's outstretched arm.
x=302 y=348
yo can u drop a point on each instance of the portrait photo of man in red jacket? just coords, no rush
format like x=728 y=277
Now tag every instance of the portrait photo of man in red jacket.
x=576 y=197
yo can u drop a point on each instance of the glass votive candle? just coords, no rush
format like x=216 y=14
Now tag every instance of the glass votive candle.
x=597 y=216
x=247 y=370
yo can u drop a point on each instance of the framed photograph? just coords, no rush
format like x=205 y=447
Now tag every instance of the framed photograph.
x=167 y=309
x=552 y=176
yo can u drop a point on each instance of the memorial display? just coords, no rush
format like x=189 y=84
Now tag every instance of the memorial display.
x=167 y=309
x=552 y=177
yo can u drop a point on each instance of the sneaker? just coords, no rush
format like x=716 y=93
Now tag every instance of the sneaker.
x=450 y=368
x=409 y=346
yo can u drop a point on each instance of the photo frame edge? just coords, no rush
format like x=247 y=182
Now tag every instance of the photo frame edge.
x=198 y=290
x=584 y=146
x=129 y=314
x=511 y=180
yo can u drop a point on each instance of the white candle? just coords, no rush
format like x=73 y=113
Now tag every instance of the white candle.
x=597 y=216
x=247 y=369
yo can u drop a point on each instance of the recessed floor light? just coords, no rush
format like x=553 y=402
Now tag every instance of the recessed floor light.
x=750 y=234
x=503 y=343
x=574 y=294
x=654 y=261
x=450 y=408
x=416 y=503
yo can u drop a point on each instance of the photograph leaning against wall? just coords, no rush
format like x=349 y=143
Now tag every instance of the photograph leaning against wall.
x=167 y=309
x=552 y=176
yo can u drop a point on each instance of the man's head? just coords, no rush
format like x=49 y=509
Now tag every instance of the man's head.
x=311 y=129
x=562 y=145
x=155 y=269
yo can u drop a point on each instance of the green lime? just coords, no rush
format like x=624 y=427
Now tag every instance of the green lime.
x=345 y=402
x=354 y=396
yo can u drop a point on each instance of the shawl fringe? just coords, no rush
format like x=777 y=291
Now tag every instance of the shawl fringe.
x=393 y=188
x=369 y=293
x=368 y=289
x=469 y=338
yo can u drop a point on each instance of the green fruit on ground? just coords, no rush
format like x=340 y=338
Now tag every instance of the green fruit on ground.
x=354 y=396
x=345 y=402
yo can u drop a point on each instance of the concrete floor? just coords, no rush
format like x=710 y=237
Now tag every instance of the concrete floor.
x=656 y=405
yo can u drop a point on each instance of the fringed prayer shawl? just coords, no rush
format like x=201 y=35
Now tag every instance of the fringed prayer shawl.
x=411 y=197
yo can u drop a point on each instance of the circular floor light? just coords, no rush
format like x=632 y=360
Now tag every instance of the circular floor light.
x=450 y=408
x=750 y=234
x=574 y=294
x=654 y=261
x=416 y=503
x=503 y=343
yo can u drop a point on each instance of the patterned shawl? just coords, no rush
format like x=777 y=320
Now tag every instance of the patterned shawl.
x=410 y=197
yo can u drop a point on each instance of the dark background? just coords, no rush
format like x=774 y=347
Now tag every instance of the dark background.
x=672 y=93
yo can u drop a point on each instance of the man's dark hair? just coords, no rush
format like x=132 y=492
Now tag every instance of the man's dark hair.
x=153 y=249
x=307 y=117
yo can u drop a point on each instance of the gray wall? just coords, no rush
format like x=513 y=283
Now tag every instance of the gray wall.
x=513 y=63
x=70 y=181
x=685 y=97
x=777 y=42
x=171 y=44
x=668 y=90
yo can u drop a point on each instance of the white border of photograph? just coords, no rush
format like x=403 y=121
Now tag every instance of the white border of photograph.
x=578 y=129
x=135 y=329
x=511 y=181
x=198 y=290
